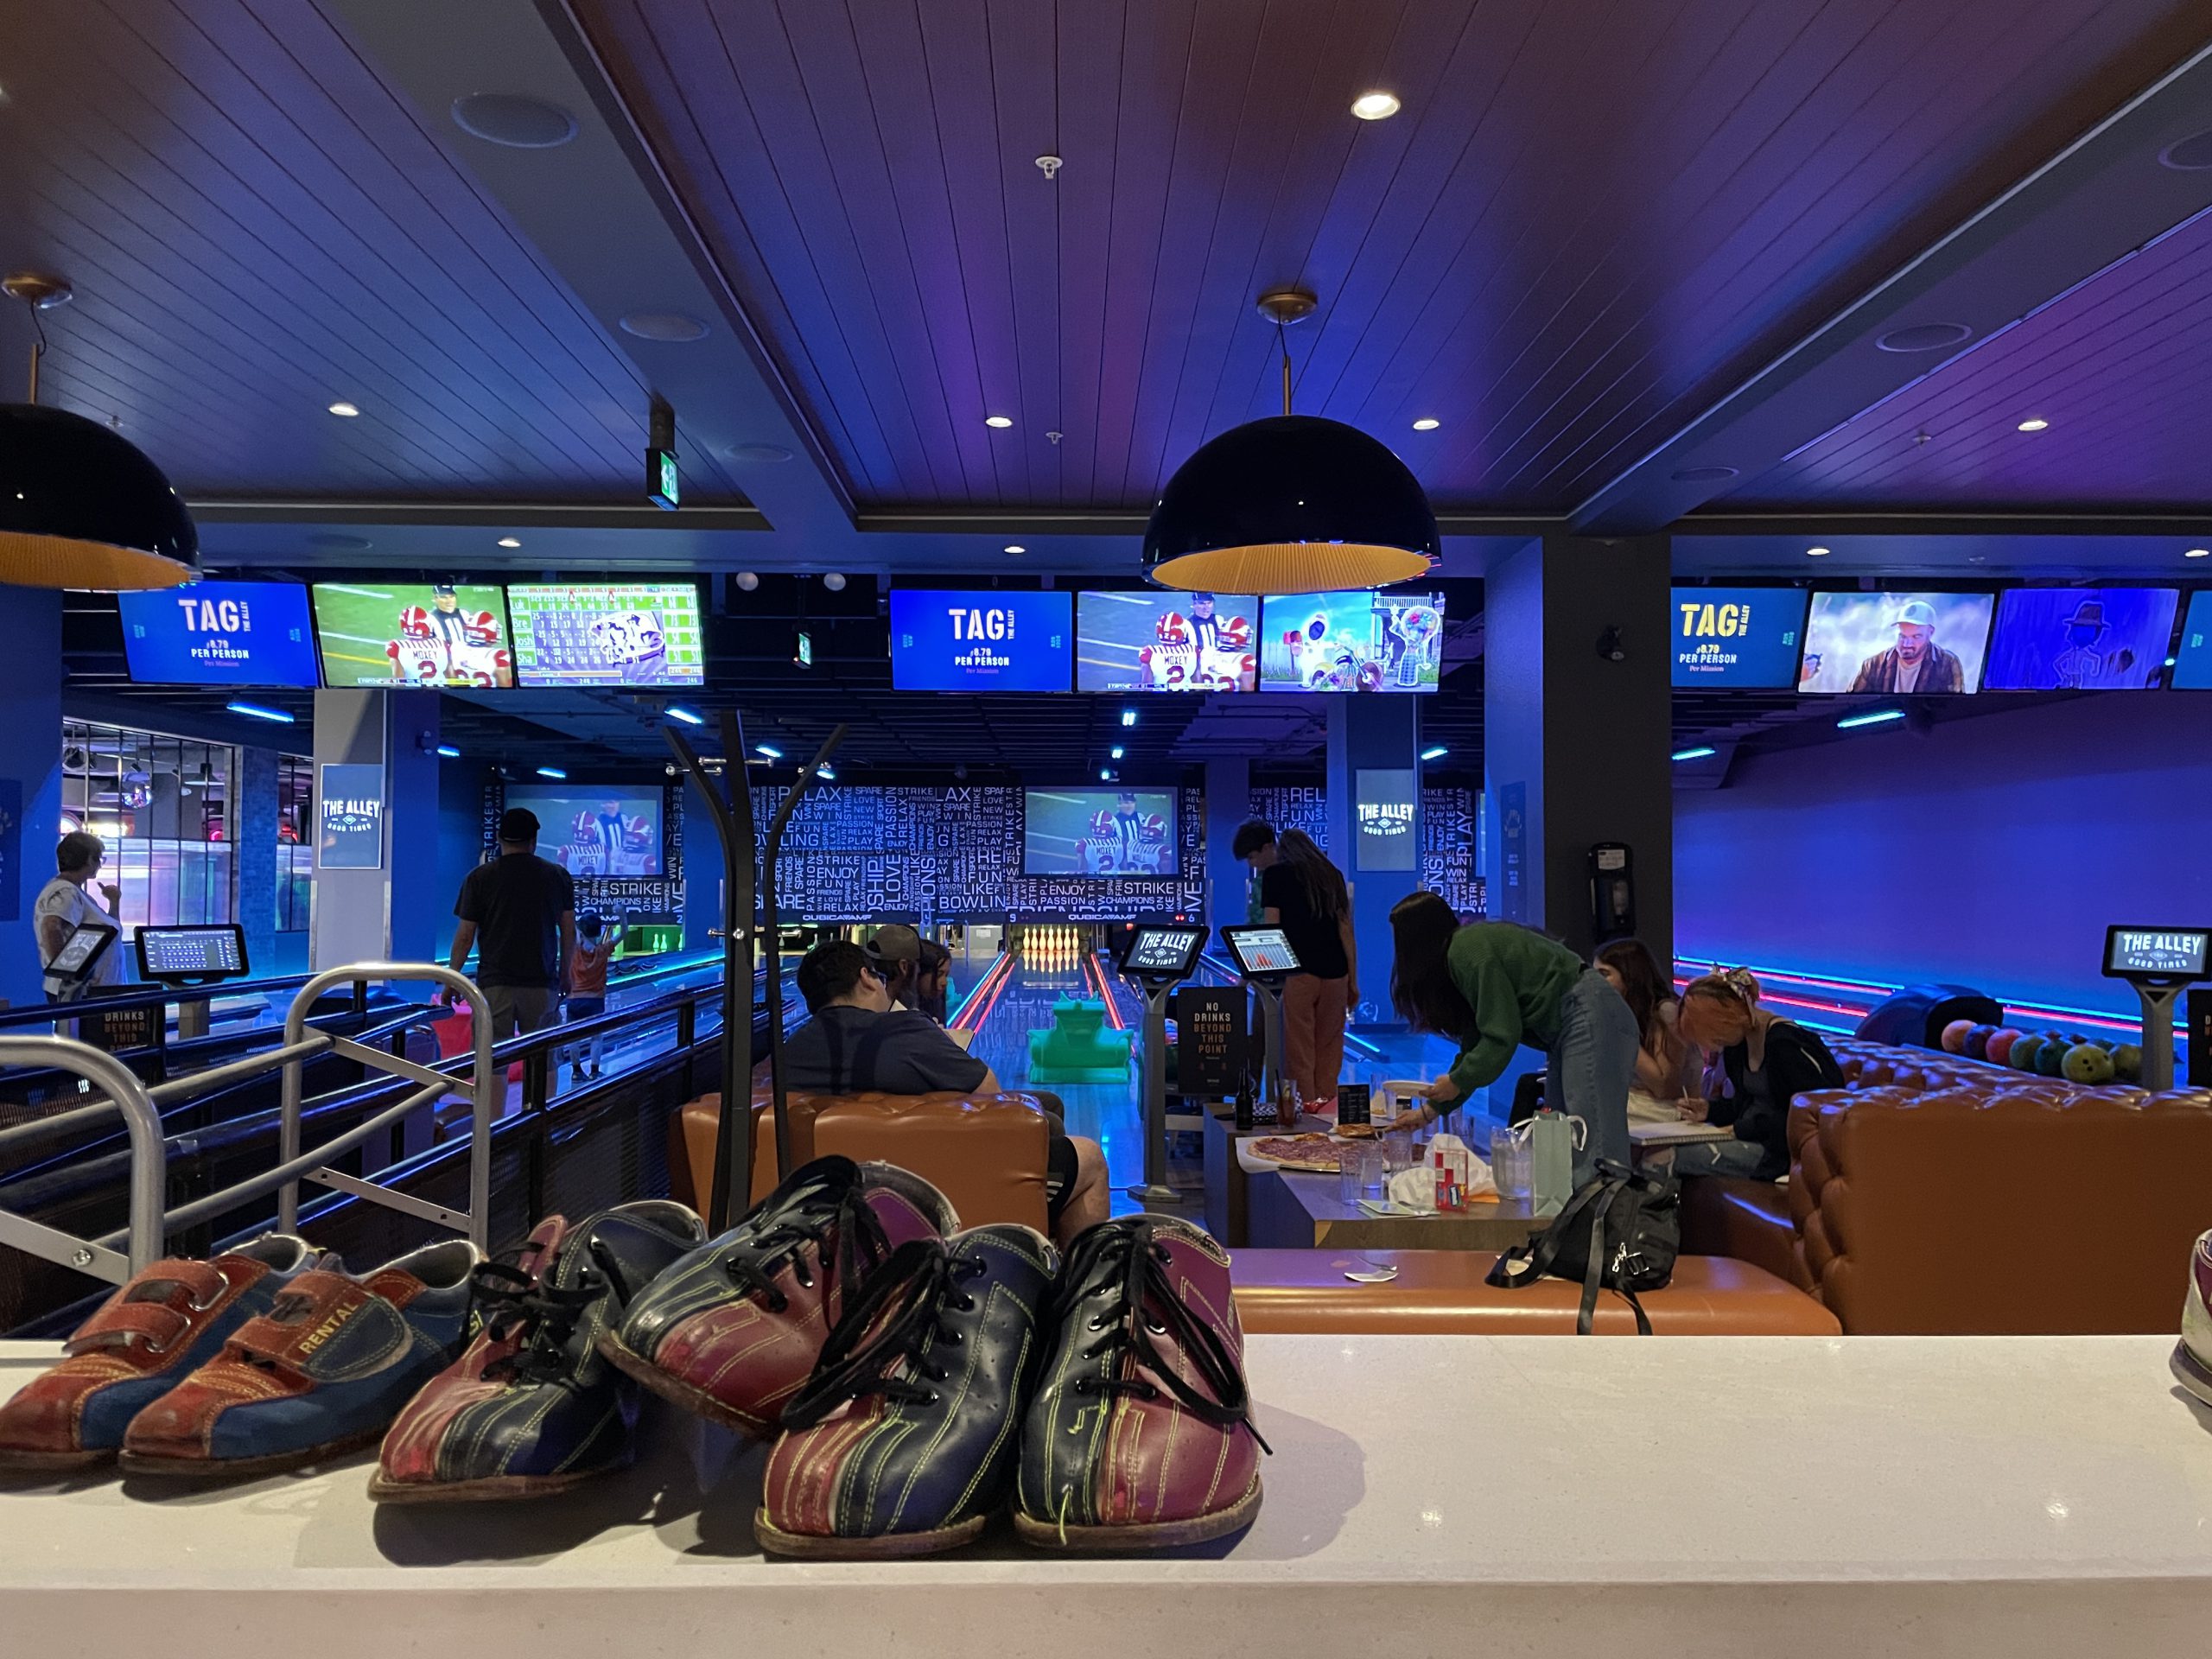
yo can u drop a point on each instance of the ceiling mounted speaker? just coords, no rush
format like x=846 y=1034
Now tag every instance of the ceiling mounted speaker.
x=1292 y=504
x=81 y=505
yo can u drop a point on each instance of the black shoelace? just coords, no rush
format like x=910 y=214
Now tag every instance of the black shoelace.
x=1126 y=1268
x=833 y=1201
x=882 y=1346
x=516 y=1303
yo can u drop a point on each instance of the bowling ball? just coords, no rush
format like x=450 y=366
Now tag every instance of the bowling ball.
x=1977 y=1045
x=2088 y=1064
x=2127 y=1063
x=2023 y=1057
x=1999 y=1049
x=2050 y=1059
x=1954 y=1036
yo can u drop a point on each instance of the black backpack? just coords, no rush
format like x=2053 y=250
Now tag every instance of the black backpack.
x=1620 y=1232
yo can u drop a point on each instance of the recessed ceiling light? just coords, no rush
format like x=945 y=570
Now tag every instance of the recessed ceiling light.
x=999 y=421
x=516 y=122
x=510 y=541
x=746 y=581
x=2198 y=553
x=1016 y=547
x=1923 y=337
x=1703 y=474
x=345 y=411
x=1375 y=106
x=554 y=773
x=1816 y=552
x=1426 y=423
x=672 y=328
x=1114 y=754
x=835 y=582
x=766 y=454
x=2036 y=425
x=2190 y=155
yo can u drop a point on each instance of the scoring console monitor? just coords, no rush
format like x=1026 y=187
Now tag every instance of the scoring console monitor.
x=1171 y=952
x=81 y=951
x=2176 y=953
x=1261 y=950
x=216 y=951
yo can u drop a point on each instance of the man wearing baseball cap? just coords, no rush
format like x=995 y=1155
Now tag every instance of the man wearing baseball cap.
x=896 y=952
x=1915 y=663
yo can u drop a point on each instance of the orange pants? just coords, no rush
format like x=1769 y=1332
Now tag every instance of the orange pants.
x=1313 y=1034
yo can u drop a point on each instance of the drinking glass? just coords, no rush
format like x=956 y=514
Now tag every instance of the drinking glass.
x=1360 y=1175
x=1398 y=1150
x=1510 y=1165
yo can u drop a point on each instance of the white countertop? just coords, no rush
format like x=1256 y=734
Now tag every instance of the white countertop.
x=1864 y=1496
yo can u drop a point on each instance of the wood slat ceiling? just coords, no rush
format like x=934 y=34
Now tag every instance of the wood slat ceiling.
x=1590 y=220
x=256 y=227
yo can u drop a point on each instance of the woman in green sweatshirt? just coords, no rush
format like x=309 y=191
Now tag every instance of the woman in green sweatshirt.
x=1492 y=986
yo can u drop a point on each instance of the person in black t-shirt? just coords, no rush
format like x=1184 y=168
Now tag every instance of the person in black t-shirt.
x=1306 y=894
x=520 y=913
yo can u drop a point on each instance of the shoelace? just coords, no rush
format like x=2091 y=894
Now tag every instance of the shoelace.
x=832 y=1202
x=897 y=1316
x=514 y=1303
x=1122 y=1262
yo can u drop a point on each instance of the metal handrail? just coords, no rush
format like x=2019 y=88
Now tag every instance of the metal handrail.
x=149 y=1162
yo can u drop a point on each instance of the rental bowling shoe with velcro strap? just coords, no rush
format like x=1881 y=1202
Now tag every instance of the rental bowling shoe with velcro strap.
x=904 y=1441
x=322 y=1372
x=732 y=1330
x=1140 y=1434
x=157 y=1328
x=530 y=1406
x=2192 y=1362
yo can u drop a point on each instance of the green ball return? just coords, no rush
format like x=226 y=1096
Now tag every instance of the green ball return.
x=1077 y=1048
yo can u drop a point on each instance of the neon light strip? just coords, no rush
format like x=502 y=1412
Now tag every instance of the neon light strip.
x=2028 y=1012
x=1097 y=973
x=996 y=976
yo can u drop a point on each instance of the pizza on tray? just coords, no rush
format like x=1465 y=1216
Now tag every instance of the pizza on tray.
x=1314 y=1152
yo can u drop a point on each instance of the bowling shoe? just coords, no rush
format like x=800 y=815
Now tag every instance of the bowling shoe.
x=1140 y=1435
x=904 y=1441
x=159 y=1327
x=322 y=1371
x=732 y=1330
x=530 y=1408
x=2192 y=1361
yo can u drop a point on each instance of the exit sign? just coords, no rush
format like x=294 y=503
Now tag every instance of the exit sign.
x=805 y=649
x=663 y=488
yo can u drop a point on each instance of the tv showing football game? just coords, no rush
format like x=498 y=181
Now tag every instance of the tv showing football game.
x=1923 y=644
x=600 y=634
x=943 y=639
x=413 y=633
x=2193 y=656
x=218 y=633
x=1352 y=642
x=1098 y=832
x=615 y=831
x=1744 y=637
x=1165 y=642
x=2081 y=639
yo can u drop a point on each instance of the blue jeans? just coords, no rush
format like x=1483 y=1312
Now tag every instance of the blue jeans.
x=1737 y=1157
x=1592 y=1064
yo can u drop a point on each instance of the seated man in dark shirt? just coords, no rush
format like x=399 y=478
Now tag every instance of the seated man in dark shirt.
x=858 y=1042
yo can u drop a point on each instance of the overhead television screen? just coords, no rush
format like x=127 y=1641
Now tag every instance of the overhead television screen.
x=615 y=831
x=2081 y=639
x=2193 y=656
x=1110 y=832
x=1895 y=643
x=413 y=633
x=1166 y=642
x=627 y=633
x=943 y=639
x=1742 y=637
x=218 y=633
x=1352 y=642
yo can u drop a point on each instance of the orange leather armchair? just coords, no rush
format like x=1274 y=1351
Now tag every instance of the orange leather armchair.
x=987 y=1153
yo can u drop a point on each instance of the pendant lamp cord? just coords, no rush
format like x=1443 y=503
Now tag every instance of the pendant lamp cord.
x=38 y=347
x=1282 y=345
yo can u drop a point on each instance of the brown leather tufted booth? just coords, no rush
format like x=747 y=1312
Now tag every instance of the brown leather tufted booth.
x=987 y=1153
x=1441 y=1292
x=2034 y=1210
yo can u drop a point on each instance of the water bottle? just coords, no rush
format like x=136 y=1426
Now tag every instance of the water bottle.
x=1552 y=1141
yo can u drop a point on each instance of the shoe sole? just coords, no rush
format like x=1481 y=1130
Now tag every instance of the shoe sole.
x=491 y=1489
x=697 y=1402
x=52 y=1463
x=1142 y=1535
x=277 y=1463
x=812 y=1547
x=2192 y=1373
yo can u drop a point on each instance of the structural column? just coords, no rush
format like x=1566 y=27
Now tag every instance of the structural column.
x=376 y=759
x=1374 y=825
x=30 y=779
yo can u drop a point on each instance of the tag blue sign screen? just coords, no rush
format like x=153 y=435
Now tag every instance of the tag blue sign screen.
x=1739 y=636
x=219 y=633
x=955 y=641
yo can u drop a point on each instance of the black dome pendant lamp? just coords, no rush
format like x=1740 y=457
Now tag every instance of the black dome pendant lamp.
x=1290 y=504
x=81 y=505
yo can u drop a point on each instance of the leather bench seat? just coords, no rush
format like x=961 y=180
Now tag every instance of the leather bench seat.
x=1441 y=1292
x=1723 y=1215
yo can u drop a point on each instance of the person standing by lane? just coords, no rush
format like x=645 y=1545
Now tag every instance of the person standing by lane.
x=1305 y=894
x=64 y=904
x=520 y=910
x=1253 y=846
x=1492 y=986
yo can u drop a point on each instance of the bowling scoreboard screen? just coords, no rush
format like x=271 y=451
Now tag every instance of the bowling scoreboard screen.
x=2081 y=639
x=1104 y=832
x=2193 y=656
x=1261 y=950
x=1740 y=636
x=216 y=951
x=1352 y=642
x=624 y=634
x=390 y=633
x=2158 y=953
x=1166 y=642
x=1887 y=643
x=947 y=640
x=1173 y=951
x=237 y=633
